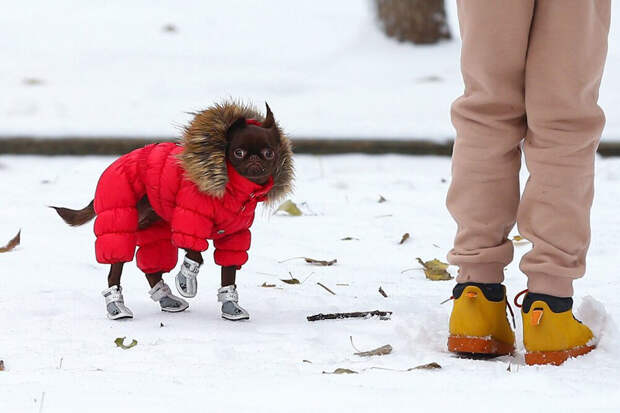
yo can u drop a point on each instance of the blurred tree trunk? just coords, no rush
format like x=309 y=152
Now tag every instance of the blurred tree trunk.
x=416 y=21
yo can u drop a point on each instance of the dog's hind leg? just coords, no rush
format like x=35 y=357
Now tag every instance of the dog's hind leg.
x=114 y=276
x=114 y=300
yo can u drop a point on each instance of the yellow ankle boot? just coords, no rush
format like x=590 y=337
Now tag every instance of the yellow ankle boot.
x=478 y=323
x=551 y=334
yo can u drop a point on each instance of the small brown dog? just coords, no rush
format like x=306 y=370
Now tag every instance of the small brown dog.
x=168 y=196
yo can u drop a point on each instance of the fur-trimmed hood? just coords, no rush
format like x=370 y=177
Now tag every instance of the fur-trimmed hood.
x=204 y=150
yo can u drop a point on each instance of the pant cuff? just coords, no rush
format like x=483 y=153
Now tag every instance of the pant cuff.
x=549 y=284
x=487 y=273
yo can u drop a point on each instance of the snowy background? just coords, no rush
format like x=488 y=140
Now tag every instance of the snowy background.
x=109 y=68
x=73 y=67
x=59 y=349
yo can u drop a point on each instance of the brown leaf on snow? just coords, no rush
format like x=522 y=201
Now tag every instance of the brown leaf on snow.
x=311 y=261
x=341 y=371
x=435 y=270
x=291 y=281
x=429 y=366
x=265 y=285
x=381 y=199
x=12 y=243
x=380 y=351
x=383 y=293
x=320 y=262
x=1 y=365
x=405 y=237
x=349 y=239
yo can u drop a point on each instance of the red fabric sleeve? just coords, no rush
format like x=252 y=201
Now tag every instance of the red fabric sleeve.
x=191 y=226
x=232 y=250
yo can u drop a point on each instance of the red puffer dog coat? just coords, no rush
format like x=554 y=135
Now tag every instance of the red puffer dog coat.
x=195 y=191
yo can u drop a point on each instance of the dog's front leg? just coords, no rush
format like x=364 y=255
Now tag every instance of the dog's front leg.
x=229 y=297
x=229 y=275
x=186 y=282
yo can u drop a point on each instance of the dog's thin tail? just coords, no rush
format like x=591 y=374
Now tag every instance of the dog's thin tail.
x=76 y=217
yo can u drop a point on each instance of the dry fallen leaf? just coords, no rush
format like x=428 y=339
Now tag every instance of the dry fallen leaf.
x=349 y=239
x=291 y=281
x=519 y=240
x=306 y=361
x=290 y=208
x=320 y=262
x=119 y=343
x=169 y=28
x=265 y=285
x=1 y=365
x=405 y=237
x=32 y=81
x=435 y=270
x=380 y=351
x=381 y=199
x=12 y=243
x=429 y=366
x=383 y=293
x=341 y=371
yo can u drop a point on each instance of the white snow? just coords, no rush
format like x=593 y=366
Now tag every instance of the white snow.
x=108 y=68
x=52 y=311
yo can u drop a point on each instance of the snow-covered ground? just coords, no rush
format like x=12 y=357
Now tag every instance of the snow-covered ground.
x=59 y=349
x=107 y=68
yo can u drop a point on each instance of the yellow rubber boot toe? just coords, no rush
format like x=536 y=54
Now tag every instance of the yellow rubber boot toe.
x=478 y=323
x=551 y=334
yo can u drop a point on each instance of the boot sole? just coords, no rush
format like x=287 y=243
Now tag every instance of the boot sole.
x=235 y=318
x=555 y=357
x=478 y=346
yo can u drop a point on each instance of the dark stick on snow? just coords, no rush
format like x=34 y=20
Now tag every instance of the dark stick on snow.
x=384 y=315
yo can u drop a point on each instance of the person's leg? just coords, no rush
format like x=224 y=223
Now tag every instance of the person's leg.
x=484 y=194
x=490 y=123
x=568 y=46
x=565 y=62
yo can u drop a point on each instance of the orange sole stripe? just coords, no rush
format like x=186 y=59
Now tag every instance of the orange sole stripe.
x=479 y=345
x=555 y=357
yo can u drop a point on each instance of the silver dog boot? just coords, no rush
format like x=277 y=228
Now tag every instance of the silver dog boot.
x=170 y=303
x=115 y=303
x=231 y=310
x=186 y=282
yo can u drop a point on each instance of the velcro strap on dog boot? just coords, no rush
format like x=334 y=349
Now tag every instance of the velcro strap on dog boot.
x=228 y=293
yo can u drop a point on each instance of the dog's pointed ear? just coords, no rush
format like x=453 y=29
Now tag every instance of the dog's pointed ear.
x=237 y=125
x=269 y=121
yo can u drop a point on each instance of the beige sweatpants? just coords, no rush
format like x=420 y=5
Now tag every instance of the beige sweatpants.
x=532 y=71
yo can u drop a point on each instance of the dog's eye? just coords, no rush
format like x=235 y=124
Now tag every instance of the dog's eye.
x=239 y=153
x=268 y=154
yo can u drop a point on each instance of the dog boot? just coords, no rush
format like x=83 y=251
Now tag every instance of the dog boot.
x=168 y=302
x=551 y=334
x=229 y=298
x=478 y=323
x=186 y=282
x=115 y=303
